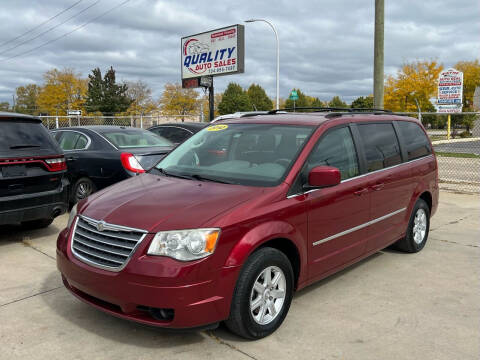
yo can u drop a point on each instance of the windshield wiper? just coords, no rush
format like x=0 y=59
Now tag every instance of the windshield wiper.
x=206 y=178
x=22 y=146
x=166 y=173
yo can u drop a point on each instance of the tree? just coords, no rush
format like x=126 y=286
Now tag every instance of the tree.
x=336 y=102
x=234 y=99
x=105 y=95
x=416 y=80
x=27 y=98
x=4 y=106
x=316 y=102
x=302 y=100
x=363 y=102
x=140 y=96
x=63 y=90
x=471 y=79
x=258 y=98
x=178 y=101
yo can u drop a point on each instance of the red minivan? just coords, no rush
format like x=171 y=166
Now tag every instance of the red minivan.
x=235 y=219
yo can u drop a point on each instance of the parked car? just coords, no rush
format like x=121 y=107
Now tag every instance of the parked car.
x=201 y=238
x=99 y=156
x=33 y=185
x=177 y=132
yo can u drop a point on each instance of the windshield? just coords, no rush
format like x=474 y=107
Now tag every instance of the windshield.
x=134 y=138
x=246 y=154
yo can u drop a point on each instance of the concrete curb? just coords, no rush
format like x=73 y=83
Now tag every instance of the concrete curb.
x=438 y=142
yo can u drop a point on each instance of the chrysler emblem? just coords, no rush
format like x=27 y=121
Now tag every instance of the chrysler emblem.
x=101 y=225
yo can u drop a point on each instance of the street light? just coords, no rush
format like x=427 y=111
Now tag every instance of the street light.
x=278 y=54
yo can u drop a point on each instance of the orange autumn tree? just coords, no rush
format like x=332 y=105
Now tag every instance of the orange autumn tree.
x=62 y=90
x=415 y=80
x=471 y=79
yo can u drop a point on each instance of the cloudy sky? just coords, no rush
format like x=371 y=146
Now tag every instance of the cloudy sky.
x=326 y=46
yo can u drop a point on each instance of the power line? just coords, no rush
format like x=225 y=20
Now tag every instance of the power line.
x=43 y=23
x=50 y=29
x=68 y=33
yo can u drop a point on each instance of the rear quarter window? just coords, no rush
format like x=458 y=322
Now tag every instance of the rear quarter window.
x=415 y=140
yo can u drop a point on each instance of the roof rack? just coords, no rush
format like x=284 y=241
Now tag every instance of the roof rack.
x=337 y=110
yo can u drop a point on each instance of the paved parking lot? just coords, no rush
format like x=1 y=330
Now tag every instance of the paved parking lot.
x=389 y=306
x=465 y=147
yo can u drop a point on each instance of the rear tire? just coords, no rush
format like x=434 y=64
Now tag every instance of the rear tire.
x=83 y=188
x=418 y=228
x=262 y=295
x=36 y=224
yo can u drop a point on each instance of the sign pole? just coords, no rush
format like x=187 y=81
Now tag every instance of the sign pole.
x=211 y=102
x=449 y=123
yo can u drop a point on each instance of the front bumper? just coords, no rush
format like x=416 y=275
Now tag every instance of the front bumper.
x=198 y=296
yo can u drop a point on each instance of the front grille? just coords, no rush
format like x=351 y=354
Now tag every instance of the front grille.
x=104 y=245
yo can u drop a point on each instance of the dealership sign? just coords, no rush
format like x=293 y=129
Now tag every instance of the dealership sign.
x=449 y=108
x=213 y=53
x=450 y=87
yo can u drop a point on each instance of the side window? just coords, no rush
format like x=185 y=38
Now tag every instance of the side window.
x=82 y=142
x=68 y=140
x=381 y=146
x=175 y=135
x=336 y=149
x=416 y=141
x=57 y=135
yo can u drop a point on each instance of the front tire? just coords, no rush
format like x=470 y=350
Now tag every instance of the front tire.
x=418 y=228
x=262 y=295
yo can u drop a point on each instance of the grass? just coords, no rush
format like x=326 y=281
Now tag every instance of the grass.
x=438 y=137
x=457 y=155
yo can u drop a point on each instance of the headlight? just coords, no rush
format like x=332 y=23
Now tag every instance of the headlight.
x=73 y=213
x=185 y=245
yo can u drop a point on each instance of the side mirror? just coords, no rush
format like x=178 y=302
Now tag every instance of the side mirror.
x=323 y=176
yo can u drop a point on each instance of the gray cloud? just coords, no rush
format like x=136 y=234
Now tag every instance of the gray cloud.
x=326 y=46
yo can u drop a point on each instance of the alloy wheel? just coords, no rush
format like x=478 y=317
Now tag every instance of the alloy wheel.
x=268 y=295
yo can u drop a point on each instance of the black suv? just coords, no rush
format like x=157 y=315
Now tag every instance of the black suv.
x=33 y=185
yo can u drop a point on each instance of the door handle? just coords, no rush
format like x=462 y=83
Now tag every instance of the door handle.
x=377 y=187
x=361 y=191
x=71 y=158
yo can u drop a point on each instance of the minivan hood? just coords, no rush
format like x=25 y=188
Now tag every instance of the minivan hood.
x=155 y=203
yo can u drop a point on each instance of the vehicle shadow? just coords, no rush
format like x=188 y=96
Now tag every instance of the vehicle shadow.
x=94 y=321
x=18 y=233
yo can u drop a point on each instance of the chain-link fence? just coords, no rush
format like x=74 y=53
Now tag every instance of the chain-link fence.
x=458 y=157
x=140 y=121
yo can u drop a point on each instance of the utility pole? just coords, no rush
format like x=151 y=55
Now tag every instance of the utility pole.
x=378 y=55
x=211 y=102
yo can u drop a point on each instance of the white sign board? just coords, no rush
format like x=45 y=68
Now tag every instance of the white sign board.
x=449 y=109
x=74 y=112
x=213 y=53
x=450 y=87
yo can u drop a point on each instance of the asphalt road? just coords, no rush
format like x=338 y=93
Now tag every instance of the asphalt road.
x=389 y=306
x=467 y=147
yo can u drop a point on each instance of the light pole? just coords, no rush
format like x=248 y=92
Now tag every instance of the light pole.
x=278 y=55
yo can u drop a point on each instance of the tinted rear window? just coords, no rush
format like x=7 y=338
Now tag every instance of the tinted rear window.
x=381 y=146
x=130 y=138
x=415 y=140
x=28 y=135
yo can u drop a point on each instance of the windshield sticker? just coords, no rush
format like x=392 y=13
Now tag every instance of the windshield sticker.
x=217 y=127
